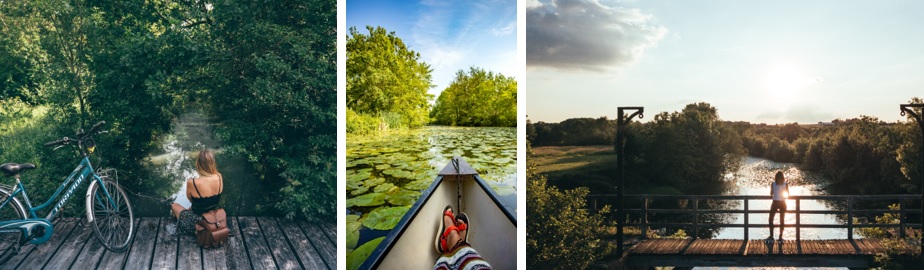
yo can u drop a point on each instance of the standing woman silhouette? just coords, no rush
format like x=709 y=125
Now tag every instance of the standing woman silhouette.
x=779 y=189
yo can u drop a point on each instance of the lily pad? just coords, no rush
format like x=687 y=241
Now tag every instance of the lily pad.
x=403 y=197
x=353 y=226
x=418 y=185
x=356 y=258
x=382 y=166
x=371 y=182
x=383 y=187
x=360 y=190
x=384 y=218
x=371 y=199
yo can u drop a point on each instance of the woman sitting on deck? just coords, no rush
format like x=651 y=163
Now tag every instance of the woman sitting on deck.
x=203 y=192
x=452 y=244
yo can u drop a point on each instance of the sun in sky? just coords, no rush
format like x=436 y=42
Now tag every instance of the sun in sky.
x=787 y=83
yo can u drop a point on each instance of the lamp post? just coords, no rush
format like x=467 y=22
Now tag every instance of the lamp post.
x=909 y=109
x=620 y=168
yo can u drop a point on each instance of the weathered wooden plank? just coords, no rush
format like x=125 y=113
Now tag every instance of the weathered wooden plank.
x=70 y=248
x=34 y=256
x=257 y=248
x=330 y=229
x=235 y=252
x=327 y=250
x=165 y=247
x=92 y=252
x=116 y=260
x=306 y=252
x=189 y=255
x=140 y=254
x=215 y=258
x=278 y=244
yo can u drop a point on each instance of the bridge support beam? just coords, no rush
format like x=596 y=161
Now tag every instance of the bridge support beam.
x=913 y=109
x=621 y=122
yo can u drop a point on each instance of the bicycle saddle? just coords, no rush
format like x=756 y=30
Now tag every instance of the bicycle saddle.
x=11 y=169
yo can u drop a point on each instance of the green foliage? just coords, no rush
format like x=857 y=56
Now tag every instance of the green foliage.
x=362 y=124
x=690 y=149
x=477 y=98
x=897 y=255
x=386 y=79
x=265 y=70
x=557 y=222
x=272 y=77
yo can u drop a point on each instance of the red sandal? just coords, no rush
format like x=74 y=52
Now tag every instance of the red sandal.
x=443 y=231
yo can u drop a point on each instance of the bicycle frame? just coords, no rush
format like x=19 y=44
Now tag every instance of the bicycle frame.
x=77 y=177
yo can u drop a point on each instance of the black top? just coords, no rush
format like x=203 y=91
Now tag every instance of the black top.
x=203 y=205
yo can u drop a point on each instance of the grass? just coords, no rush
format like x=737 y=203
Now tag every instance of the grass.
x=562 y=158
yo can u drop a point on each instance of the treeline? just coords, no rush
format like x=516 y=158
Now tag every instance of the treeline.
x=684 y=152
x=387 y=86
x=266 y=71
x=859 y=156
x=477 y=98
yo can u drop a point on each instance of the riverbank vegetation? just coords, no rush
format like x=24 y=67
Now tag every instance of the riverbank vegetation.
x=387 y=86
x=859 y=155
x=266 y=71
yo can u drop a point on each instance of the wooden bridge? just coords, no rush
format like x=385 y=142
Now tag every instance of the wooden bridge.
x=796 y=252
x=255 y=243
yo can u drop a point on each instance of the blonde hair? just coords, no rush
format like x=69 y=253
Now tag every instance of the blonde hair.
x=779 y=177
x=205 y=163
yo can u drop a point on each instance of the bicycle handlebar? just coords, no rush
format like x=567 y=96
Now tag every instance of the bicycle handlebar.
x=80 y=135
x=57 y=142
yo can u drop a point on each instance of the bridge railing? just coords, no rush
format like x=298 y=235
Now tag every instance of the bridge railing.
x=691 y=205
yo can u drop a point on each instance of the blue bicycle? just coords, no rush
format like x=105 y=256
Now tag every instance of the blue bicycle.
x=108 y=210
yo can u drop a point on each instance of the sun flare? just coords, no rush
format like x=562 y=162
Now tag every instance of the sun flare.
x=785 y=82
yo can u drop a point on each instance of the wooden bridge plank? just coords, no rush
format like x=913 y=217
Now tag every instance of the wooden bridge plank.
x=305 y=251
x=327 y=250
x=236 y=253
x=216 y=258
x=116 y=260
x=69 y=249
x=330 y=229
x=165 y=247
x=92 y=252
x=257 y=247
x=141 y=252
x=189 y=255
x=34 y=256
x=282 y=252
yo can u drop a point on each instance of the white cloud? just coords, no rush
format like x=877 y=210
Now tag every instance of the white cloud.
x=587 y=35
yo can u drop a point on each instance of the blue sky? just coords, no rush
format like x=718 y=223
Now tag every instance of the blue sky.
x=449 y=35
x=757 y=61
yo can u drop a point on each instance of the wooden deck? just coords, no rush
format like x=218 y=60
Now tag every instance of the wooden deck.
x=718 y=252
x=255 y=243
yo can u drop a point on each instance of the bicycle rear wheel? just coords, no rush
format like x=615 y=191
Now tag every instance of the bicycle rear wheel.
x=10 y=240
x=111 y=216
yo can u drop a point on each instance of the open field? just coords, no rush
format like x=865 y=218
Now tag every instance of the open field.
x=561 y=158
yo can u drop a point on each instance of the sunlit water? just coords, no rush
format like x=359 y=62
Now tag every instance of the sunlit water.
x=192 y=131
x=754 y=178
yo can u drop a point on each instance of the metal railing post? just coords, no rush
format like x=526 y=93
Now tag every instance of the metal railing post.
x=909 y=109
x=695 y=218
x=746 y=214
x=850 y=218
x=645 y=218
x=798 y=219
x=621 y=121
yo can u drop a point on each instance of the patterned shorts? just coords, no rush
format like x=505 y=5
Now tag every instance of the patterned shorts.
x=186 y=225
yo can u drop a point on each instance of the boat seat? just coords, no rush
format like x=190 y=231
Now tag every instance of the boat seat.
x=11 y=169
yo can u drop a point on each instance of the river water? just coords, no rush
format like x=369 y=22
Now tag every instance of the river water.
x=191 y=132
x=754 y=178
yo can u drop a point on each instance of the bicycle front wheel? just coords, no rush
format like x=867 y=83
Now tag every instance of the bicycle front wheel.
x=110 y=216
x=10 y=239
